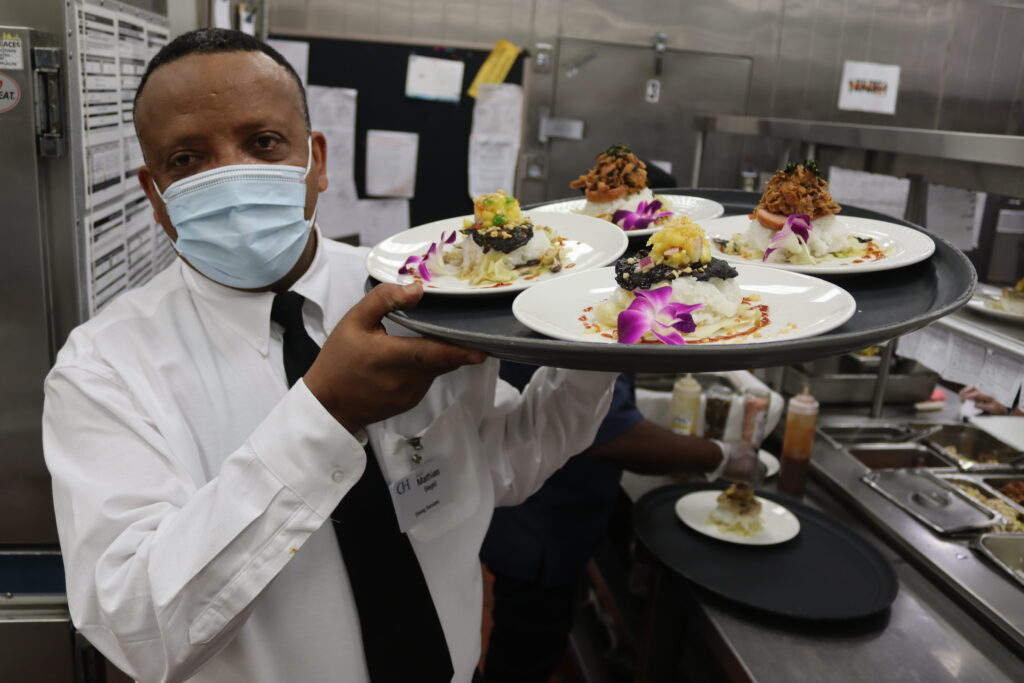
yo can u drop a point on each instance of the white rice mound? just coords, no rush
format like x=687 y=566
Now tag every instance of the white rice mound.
x=534 y=249
x=730 y=521
x=628 y=203
x=828 y=236
x=721 y=299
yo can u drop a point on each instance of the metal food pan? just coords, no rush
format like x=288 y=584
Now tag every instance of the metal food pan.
x=879 y=456
x=935 y=503
x=859 y=388
x=978 y=482
x=845 y=434
x=975 y=449
x=997 y=482
x=1004 y=550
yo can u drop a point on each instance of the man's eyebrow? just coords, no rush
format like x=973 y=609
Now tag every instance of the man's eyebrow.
x=261 y=124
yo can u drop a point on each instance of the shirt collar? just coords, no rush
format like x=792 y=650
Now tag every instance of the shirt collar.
x=248 y=313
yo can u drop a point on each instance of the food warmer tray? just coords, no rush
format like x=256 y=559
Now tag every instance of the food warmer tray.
x=826 y=573
x=889 y=304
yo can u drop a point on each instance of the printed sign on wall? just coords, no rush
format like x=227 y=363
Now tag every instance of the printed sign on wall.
x=866 y=86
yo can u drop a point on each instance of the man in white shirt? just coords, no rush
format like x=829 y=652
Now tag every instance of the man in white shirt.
x=193 y=488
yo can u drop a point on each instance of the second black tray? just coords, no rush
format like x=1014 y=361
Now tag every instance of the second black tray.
x=889 y=304
x=826 y=573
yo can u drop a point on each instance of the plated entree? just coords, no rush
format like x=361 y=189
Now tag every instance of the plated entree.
x=499 y=245
x=795 y=222
x=674 y=292
x=616 y=190
x=738 y=511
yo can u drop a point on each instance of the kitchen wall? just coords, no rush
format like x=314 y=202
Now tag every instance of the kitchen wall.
x=961 y=63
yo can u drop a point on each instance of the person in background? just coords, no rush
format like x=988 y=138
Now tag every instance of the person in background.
x=232 y=444
x=538 y=551
x=987 y=404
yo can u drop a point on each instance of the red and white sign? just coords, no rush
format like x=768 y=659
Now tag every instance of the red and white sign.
x=10 y=93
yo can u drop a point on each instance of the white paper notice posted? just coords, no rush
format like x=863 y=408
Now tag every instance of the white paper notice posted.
x=866 y=86
x=428 y=78
x=391 y=163
x=495 y=138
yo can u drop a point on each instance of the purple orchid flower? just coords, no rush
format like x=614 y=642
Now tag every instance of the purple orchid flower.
x=798 y=225
x=432 y=259
x=651 y=311
x=645 y=214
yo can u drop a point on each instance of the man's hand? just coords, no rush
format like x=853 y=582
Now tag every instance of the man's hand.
x=363 y=375
x=743 y=465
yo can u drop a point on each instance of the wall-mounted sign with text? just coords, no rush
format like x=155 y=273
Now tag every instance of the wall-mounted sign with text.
x=866 y=86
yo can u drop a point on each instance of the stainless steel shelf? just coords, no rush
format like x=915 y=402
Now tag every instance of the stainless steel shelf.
x=1000 y=150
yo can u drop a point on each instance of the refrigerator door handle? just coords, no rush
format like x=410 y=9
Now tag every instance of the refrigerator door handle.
x=50 y=122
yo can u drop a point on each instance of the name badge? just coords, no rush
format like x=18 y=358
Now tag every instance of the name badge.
x=422 y=493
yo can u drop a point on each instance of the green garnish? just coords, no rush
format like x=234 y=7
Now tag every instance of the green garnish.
x=499 y=220
x=810 y=164
x=618 y=150
x=510 y=200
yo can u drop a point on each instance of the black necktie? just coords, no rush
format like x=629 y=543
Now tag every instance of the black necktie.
x=402 y=636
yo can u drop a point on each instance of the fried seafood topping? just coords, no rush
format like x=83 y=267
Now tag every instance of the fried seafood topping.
x=501 y=238
x=616 y=173
x=640 y=271
x=798 y=188
x=740 y=500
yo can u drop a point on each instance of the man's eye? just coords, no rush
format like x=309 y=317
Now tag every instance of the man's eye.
x=181 y=160
x=266 y=141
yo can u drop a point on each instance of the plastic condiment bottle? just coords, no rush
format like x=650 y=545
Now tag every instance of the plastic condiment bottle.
x=685 y=406
x=755 y=413
x=801 y=419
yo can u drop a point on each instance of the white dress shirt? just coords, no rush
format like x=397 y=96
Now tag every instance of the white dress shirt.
x=192 y=485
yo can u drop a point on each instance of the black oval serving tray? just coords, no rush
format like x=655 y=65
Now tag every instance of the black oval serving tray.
x=889 y=304
x=826 y=573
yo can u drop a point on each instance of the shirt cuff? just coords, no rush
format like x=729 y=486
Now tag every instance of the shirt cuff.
x=309 y=451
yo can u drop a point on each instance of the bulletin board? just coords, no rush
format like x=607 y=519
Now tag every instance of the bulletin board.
x=377 y=71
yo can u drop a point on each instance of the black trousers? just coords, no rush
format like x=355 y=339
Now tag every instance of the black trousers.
x=531 y=630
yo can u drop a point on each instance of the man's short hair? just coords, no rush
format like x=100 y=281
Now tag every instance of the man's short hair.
x=205 y=41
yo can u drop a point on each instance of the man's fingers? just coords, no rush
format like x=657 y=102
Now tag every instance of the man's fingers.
x=380 y=301
x=430 y=354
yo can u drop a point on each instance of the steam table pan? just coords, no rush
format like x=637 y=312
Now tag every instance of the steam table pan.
x=889 y=304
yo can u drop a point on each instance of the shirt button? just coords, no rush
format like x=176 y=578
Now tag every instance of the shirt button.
x=337 y=476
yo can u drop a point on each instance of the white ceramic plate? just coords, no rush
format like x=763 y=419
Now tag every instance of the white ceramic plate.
x=905 y=246
x=770 y=462
x=779 y=524
x=695 y=208
x=798 y=305
x=978 y=304
x=590 y=243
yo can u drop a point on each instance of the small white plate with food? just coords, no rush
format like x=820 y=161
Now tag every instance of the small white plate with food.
x=616 y=190
x=498 y=249
x=737 y=516
x=797 y=226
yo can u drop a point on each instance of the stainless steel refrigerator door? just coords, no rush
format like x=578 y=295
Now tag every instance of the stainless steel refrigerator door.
x=26 y=508
x=620 y=96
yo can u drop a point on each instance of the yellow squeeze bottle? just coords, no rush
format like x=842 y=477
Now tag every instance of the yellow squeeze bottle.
x=685 y=411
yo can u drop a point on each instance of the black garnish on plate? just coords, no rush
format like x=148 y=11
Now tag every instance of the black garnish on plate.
x=629 y=276
x=863 y=240
x=495 y=237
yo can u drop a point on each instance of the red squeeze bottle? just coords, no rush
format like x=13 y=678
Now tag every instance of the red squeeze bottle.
x=798 y=442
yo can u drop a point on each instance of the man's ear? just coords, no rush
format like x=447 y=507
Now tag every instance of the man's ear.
x=320 y=159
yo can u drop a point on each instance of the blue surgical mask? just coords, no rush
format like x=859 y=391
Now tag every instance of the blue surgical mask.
x=244 y=225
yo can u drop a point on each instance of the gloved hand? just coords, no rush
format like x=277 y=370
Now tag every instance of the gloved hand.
x=740 y=464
